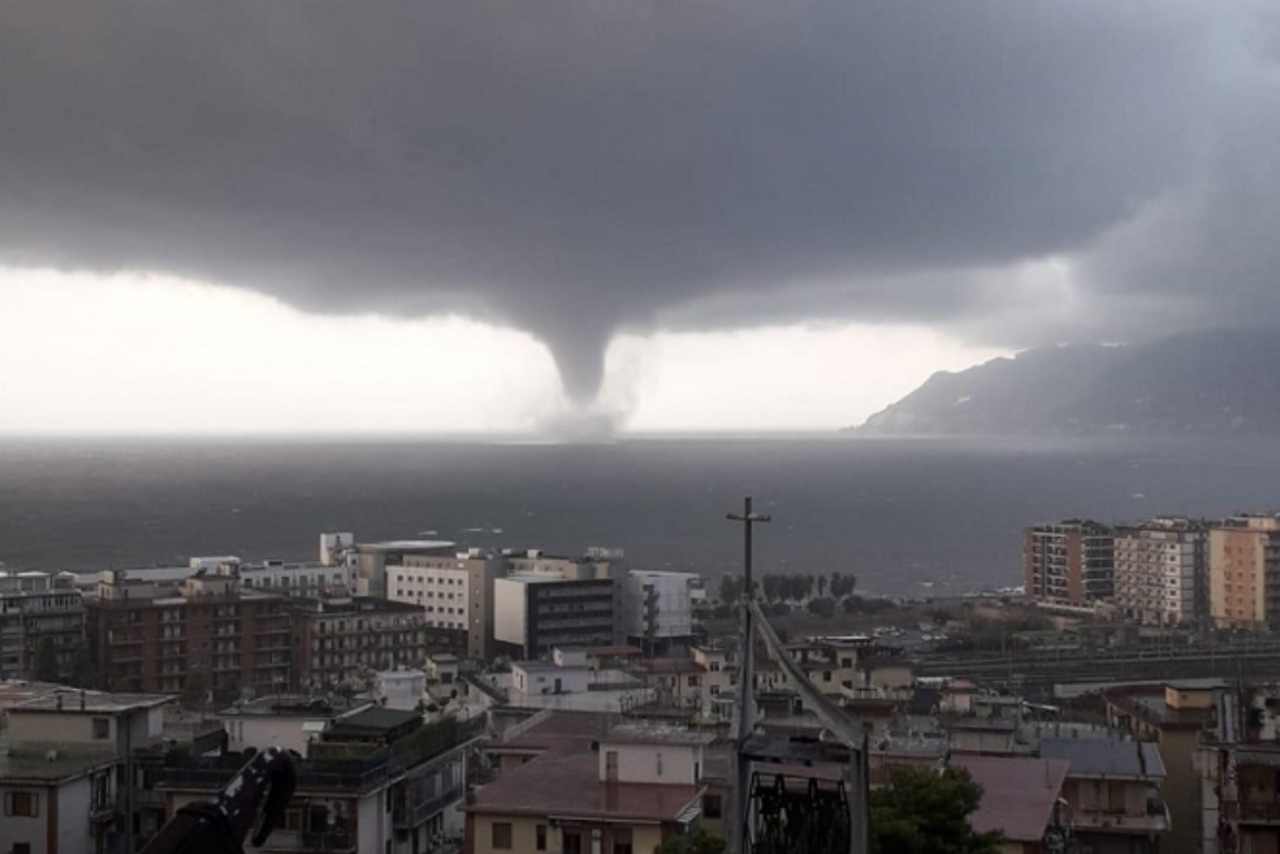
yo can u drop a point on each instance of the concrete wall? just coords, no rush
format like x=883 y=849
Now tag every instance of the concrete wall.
x=644 y=837
x=261 y=732
x=573 y=680
x=651 y=763
x=67 y=728
x=509 y=611
x=35 y=830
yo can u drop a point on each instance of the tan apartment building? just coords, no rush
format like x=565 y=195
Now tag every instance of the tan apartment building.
x=1244 y=571
x=1069 y=562
x=1160 y=571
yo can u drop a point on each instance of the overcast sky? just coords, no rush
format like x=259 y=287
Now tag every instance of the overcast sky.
x=742 y=214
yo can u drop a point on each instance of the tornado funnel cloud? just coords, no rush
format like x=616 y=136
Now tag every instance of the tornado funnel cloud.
x=579 y=356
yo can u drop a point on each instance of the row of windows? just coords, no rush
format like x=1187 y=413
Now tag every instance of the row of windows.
x=571 y=841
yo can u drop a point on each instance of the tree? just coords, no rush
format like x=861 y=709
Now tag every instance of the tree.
x=922 y=812
x=46 y=665
x=822 y=607
x=701 y=841
x=773 y=587
x=730 y=589
x=805 y=585
x=822 y=585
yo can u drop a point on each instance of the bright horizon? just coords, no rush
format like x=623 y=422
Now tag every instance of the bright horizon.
x=151 y=355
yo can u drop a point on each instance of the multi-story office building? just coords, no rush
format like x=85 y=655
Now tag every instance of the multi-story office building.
x=41 y=625
x=533 y=613
x=344 y=641
x=372 y=560
x=212 y=636
x=454 y=590
x=1070 y=562
x=1244 y=571
x=657 y=609
x=1160 y=571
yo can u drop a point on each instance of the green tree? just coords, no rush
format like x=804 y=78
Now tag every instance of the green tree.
x=922 y=812
x=46 y=665
x=701 y=841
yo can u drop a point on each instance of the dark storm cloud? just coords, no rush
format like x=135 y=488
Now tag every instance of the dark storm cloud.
x=574 y=168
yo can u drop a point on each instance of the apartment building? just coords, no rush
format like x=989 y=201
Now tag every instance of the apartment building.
x=658 y=609
x=1069 y=562
x=1244 y=571
x=376 y=780
x=1161 y=571
x=344 y=641
x=41 y=625
x=455 y=591
x=641 y=785
x=299 y=578
x=1112 y=793
x=210 y=637
x=65 y=772
x=536 y=612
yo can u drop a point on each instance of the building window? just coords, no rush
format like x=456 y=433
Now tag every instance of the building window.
x=572 y=843
x=622 y=840
x=540 y=837
x=23 y=804
x=502 y=835
x=101 y=728
x=711 y=806
x=658 y=757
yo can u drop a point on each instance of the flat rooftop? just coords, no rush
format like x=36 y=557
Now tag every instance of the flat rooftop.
x=655 y=733
x=407 y=545
x=95 y=702
x=293 y=705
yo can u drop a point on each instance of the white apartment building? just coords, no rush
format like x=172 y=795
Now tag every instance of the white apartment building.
x=1161 y=571
x=657 y=606
x=454 y=588
x=298 y=579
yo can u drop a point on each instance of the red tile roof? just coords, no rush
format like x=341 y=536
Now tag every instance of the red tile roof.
x=1018 y=793
x=567 y=785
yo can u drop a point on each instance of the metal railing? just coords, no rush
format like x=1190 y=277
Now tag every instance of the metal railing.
x=409 y=817
x=328 y=775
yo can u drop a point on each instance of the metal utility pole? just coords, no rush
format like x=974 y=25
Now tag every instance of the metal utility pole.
x=745 y=719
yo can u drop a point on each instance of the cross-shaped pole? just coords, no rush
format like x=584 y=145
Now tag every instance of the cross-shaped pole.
x=746 y=686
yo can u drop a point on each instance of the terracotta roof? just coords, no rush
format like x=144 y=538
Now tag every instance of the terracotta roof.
x=577 y=792
x=1018 y=793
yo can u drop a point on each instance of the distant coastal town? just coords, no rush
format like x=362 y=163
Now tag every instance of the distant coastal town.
x=1127 y=693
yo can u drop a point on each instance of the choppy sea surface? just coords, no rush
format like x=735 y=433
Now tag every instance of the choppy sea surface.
x=906 y=516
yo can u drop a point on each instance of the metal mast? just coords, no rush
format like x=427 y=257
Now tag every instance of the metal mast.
x=745 y=718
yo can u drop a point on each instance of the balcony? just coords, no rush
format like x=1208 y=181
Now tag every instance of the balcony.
x=294 y=841
x=1154 y=820
x=1258 y=812
x=407 y=818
